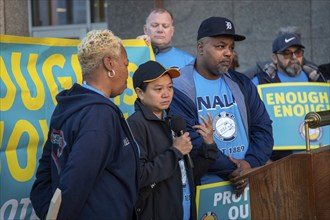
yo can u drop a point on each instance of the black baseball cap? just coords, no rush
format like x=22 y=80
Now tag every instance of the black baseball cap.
x=152 y=70
x=282 y=42
x=217 y=26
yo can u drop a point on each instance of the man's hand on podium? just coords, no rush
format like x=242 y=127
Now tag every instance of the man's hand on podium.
x=240 y=184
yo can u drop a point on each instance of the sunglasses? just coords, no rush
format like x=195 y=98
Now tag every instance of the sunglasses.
x=287 y=54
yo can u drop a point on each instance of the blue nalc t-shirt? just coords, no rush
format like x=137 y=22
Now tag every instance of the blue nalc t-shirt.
x=174 y=57
x=215 y=97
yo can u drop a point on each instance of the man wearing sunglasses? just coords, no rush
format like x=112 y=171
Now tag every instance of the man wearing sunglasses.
x=287 y=56
x=269 y=67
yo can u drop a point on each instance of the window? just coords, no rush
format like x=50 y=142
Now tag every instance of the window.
x=58 y=12
x=66 y=18
x=99 y=10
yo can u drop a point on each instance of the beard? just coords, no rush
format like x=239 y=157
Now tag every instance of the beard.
x=221 y=70
x=293 y=70
x=219 y=73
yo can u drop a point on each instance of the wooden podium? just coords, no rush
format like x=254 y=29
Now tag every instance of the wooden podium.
x=295 y=187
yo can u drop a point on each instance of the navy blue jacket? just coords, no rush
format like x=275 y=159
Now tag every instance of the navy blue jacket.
x=160 y=195
x=256 y=120
x=91 y=156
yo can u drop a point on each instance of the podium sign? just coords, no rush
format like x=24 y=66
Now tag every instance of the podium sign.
x=218 y=201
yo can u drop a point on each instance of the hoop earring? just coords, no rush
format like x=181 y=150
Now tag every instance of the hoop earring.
x=111 y=73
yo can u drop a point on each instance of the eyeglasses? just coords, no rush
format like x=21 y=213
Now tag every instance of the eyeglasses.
x=287 y=54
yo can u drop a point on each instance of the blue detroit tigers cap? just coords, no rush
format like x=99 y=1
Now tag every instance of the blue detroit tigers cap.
x=217 y=26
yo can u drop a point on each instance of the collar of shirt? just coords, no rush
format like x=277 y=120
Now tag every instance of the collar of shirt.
x=158 y=50
x=85 y=85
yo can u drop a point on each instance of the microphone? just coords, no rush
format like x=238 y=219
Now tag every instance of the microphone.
x=318 y=119
x=178 y=125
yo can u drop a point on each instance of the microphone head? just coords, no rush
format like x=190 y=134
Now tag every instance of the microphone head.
x=178 y=124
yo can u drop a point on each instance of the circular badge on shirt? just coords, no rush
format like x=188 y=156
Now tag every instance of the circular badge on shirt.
x=209 y=216
x=225 y=127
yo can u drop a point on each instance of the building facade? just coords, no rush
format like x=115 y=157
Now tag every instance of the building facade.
x=258 y=20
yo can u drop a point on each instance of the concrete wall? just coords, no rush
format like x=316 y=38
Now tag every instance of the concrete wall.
x=2 y=17
x=258 y=20
x=14 y=17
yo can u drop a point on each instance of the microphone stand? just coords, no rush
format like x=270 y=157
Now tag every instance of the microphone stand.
x=308 y=144
x=315 y=120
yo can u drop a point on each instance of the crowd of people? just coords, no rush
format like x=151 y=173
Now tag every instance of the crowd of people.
x=108 y=167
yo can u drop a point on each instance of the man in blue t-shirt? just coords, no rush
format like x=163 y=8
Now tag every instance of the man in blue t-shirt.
x=159 y=31
x=222 y=107
x=287 y=57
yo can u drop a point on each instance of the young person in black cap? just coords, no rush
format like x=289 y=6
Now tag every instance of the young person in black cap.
x=161 y=158
x=287 y=56
x=242 y=127
x=166 y=189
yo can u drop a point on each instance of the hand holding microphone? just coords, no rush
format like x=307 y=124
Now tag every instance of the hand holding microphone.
x=182 y=141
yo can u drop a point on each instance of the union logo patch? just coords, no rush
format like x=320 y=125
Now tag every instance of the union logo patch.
x=225 y=126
